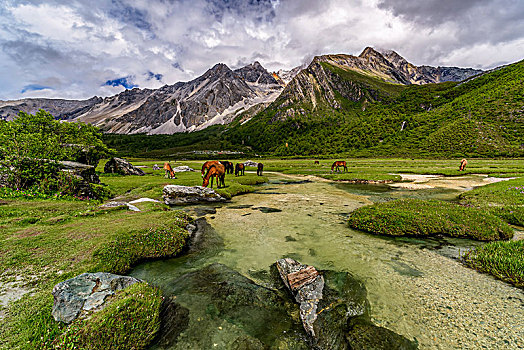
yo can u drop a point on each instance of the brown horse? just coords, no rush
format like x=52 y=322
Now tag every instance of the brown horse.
x=260 y=168
x=229 y=166
x=239 y=169
x=463 y=164
x=339 y=163
x=218 y=171
x=207 y=164
x=170 y=173
x=317 y=162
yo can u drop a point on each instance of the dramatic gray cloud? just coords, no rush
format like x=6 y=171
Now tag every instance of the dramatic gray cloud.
x=77 y=49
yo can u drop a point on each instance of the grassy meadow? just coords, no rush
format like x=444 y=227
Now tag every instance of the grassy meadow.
x=45 y=241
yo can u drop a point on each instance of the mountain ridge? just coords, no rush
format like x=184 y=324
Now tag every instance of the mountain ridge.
x=220 y=94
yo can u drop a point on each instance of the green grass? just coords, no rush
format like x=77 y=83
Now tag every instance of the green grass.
x=504 y=199
x=504 y=260
x=53 y=240
x=129 y=248
x=130 y=321
x=412 y=217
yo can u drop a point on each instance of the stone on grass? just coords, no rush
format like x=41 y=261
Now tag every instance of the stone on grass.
x=86 y=292
x=122 y=166
x=116 y=204
x=177 y=194
x=250 y=163
x=182 y=168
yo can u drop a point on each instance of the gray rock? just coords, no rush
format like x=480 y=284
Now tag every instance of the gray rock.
x=122 y=166
x=177 y=194
x=116 y=204
x=182 y=168
x=250 y=163
x=306 y=285
x=86 y=292
x=85 y=172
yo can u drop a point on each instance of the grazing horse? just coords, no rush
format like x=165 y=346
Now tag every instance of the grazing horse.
x=317 y=162
x=229 y=166
x=463 y=164
x=339 y=163
x=239 y=169
x=218 y=171
x=260 y=168
x=170 y=173
x=207 y=164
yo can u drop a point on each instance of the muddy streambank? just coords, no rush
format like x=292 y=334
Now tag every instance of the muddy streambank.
x=416 y=288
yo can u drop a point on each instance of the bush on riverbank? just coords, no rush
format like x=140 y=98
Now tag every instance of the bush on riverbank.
x=504 y=260
x=130 y=321
x=412 y=217
x=129 y=248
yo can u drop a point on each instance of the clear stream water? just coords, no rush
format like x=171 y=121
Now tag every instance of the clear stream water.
x=416 y=287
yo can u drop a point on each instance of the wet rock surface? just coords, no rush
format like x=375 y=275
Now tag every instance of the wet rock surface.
x=177 y=194
x=121 y=166
x=86 y=292
x=235 y=312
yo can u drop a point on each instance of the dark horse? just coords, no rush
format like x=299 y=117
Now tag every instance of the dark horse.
x=229 y=166
x=218 y=171
x=260 y=168
x=339 y=163
x=239 y=169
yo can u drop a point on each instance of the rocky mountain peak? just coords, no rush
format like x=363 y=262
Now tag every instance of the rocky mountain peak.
x=370 y=52
x=255 y=73
x=394 y=58
x=218 y=69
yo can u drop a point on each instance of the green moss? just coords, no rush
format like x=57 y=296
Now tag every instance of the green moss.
x=129 y=248
x=504 y=260
x=411 y=217
x=130 y=321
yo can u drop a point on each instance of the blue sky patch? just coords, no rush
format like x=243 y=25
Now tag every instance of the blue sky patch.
x=125 y=82
x=151 y=75
x=34 y=87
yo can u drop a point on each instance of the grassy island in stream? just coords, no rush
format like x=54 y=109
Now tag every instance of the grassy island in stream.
x=504 y=199
x=504 y=260
x=411 y=217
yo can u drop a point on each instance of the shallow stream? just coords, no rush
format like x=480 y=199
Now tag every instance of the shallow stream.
x=416 y=287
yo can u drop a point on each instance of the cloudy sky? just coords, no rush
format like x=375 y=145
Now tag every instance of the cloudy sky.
x=80 y=48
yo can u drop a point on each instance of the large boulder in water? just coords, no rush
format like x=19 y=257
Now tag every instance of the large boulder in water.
x=121 y=166
x=86 y=292
x=334 y=309
x=177 y=194
x=231 y=311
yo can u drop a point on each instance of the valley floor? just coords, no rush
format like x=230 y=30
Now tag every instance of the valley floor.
x=46 y=241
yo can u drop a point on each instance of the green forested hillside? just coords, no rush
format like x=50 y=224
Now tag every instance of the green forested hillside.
x=480 y=117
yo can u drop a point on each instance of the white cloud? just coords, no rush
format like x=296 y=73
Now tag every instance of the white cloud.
x=75 y=47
